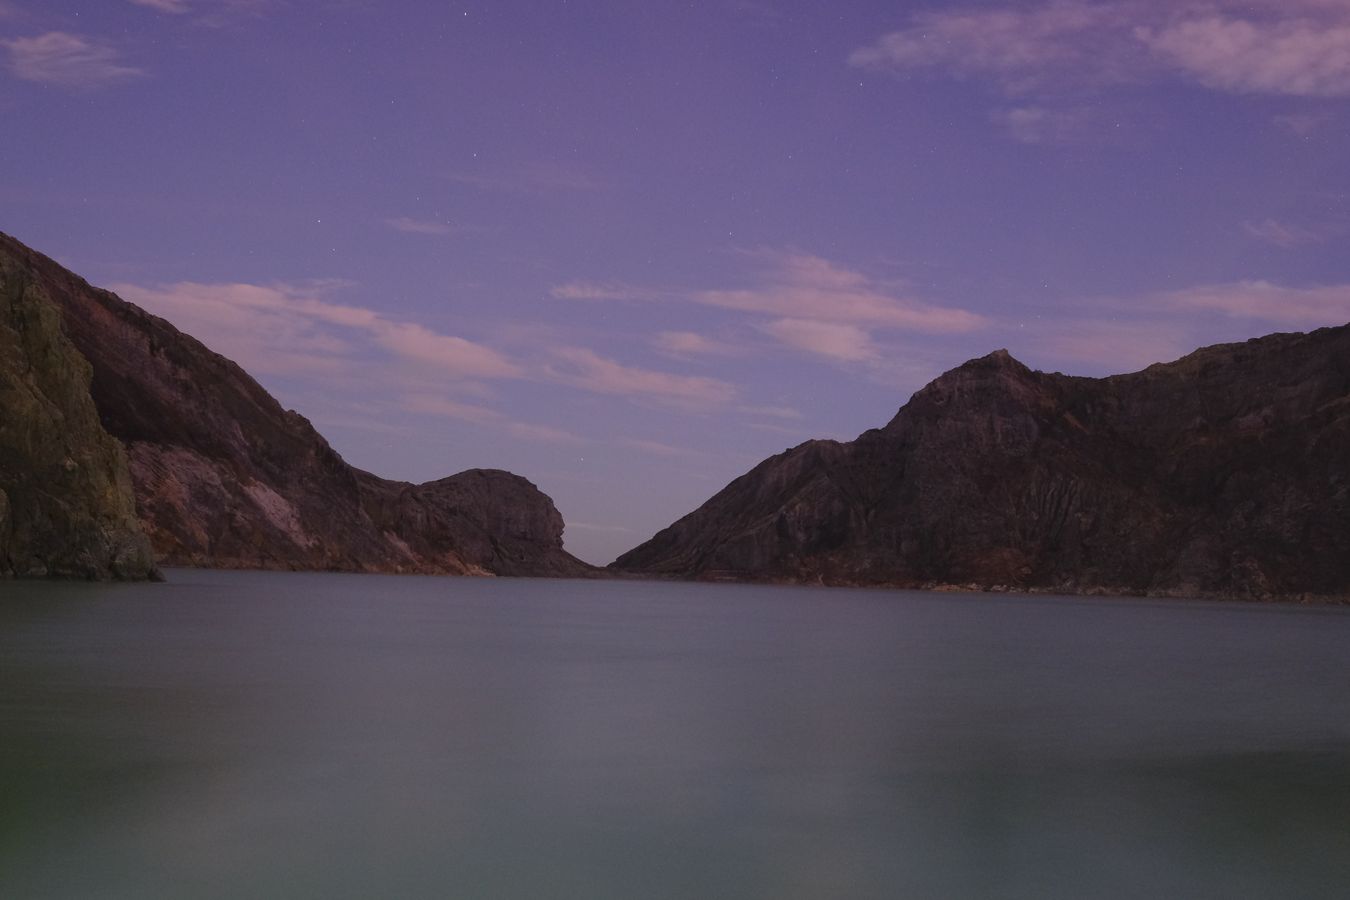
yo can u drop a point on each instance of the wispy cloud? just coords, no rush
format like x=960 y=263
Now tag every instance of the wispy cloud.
x=1301 y=57
x=291 y=329
x=587 y=370
x=544 y=434
x=803 y=286
x=1305 y=124
x=684 y=344
x=1166 y=325
x=67 y=60
x=1055 y=48
x=409 y=225
x=1020 y=46
x=1281 y=234
x=589 y=526
x=603 y=291
x=451 y=354
x=1103 y=343
x=434 y=405
x=1305 y=307
x=177 y=7
x=802 y=301
x=231 y=13
x=1039 y=124
x=833 y=340
x=773 y=412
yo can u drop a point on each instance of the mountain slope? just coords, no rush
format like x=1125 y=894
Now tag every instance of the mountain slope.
x=66 y=506
x=225 y=477
x=1225 y=473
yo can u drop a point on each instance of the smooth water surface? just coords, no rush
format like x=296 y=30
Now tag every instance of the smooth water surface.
x=233 y=735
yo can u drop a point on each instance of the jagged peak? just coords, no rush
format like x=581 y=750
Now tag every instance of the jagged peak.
x=1000 y=358
x=1000 y=366
x=997 y=363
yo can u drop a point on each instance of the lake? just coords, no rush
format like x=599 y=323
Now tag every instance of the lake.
x=263 y=735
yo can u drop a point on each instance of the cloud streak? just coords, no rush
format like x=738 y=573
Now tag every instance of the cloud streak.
x=684 y=344
x=802 y=286
x=586 y=369
x=1306 y=307
x=176 y=7
x=290 y=329
x=433 y=405
x=1020 y=46
x=1057 y=47
x=1302 y=57
x=67 y=60
x=1281 y=234
x=409 y=225
x=804 y=302
x=601 y=291
x=843 y=343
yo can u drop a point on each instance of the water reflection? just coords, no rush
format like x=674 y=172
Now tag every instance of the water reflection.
x=254 y=734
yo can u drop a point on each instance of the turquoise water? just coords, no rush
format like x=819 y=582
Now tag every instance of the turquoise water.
x=250 y=735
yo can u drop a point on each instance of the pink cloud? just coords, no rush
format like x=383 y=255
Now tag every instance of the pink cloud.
x=433 y=405
x=590 y=290
x=801 y=286
x=1016 y=43
x=688 y=343
x=177 y=7
x=1040 y=125
x=1283 y=306
x=442 y=351
x=266 y=327
x=1116 y=345
x=845 y=343
x=544 y=434
x=1305 y=125
x=1281 y=234
x=1290 y=47
x=67 y=60
x=585 y=369
x=773 y=412
x=451 y=409
x=1299 y=57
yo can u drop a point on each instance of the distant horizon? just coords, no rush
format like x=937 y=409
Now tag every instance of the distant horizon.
x=629 y=252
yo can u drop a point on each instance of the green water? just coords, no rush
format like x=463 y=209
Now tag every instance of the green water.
x=251 y=735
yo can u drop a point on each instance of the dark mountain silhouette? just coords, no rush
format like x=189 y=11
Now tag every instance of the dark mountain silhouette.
x=224 y=476
x=1225 y=473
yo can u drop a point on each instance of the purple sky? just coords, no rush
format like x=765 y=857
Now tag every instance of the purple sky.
x=629 y=249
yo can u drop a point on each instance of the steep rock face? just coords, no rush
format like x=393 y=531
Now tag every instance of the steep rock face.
x=225 y=477
x=66 y=507
x=490 y=517
x=1226 y=473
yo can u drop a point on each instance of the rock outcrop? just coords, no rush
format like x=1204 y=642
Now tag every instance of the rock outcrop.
x=66 y=505
x=225 y=477
x=1223 y=474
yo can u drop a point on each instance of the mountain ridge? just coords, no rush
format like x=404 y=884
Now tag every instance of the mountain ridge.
x=1223 y=474
x=225 y=477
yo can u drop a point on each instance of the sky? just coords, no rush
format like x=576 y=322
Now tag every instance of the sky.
x=628 y=250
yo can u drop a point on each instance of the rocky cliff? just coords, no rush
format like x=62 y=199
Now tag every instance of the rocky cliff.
x=66 y=506
x=1225 y=473
x=225 y=477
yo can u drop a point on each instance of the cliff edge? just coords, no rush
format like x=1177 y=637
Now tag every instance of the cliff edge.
x=66 y=504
